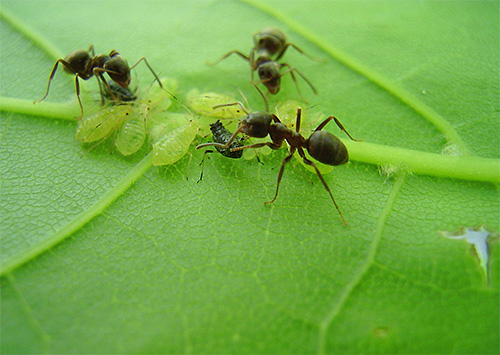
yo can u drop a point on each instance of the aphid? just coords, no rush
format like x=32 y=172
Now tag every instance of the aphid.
x=101 y=123
x=172 y=138
x=269 y=46
x=321 y=145
x=85 y=64
x=131 y=135
x=129 y=119
x=222 y=135
x=208 y=104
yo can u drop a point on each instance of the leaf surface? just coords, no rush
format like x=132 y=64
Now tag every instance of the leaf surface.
x=102 y=253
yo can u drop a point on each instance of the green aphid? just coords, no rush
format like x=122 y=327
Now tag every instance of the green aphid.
x=130 y=120
x=204 y=104
x=171 y=141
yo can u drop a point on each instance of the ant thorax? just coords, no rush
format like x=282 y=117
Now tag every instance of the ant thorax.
x=279 y=132
x=262 y=56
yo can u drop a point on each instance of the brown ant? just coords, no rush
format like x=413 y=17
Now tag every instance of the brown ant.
x=85 y=64
x=269 y=46
x=321 y=145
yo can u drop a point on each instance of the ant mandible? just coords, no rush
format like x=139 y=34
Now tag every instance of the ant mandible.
x=321 y=145
x=85 y=64
x=269 y=46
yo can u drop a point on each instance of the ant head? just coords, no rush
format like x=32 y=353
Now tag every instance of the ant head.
x=270 y=76
x=327 y=148
x=271 y=39
x=256 y=124
x=77 y=61
x=118 y=68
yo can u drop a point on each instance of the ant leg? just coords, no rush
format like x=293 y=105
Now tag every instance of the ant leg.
x=291 y=70
x=98 y=74
x=323 y=124
x=263 y=97
x=77 y=86
x=91 y=50
x=271 y=145
x=300 y=51
x=298 y=119
x=308 y=162
x=51 y=76
x=152 y=72
x=280 y=175
x=227 y=55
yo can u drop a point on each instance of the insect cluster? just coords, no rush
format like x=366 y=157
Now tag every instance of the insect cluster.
x=133 y=117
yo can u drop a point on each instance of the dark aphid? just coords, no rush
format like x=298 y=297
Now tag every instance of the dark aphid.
x=119 y=94
x=85 y=64
x=222 y=135
x=269 y=46
x=321 y=145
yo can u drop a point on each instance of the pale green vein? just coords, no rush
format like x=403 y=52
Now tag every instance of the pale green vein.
x=31 y=34
x=356 y=279
x=422 y=163
x=46 y=339
x=456 y=167
x=44 y=109
x=79 y=221
x=405 y=96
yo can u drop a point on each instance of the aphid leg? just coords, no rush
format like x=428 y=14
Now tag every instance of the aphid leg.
x=227 y=55
x=51 y=76
x=308 y=162
x=323 y=124
x=202 y=164
x=280 y=175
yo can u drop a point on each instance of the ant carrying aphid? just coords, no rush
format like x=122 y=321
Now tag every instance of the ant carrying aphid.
x=118 y=94
x=321 y=145
x=222 y=135
x=269 y=46
x=85 y=64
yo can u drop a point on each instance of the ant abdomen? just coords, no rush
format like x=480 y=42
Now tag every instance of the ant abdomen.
x=272 y=40
x=77 y=61
x=327 y=148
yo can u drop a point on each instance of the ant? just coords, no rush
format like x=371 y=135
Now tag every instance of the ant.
x=85 y=64
x=269 y=46
x=321 y=145
x=222 y=135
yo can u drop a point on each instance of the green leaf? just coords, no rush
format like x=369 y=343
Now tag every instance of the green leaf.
x=102 y=253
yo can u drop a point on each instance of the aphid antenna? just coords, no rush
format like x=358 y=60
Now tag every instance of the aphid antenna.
x=232 y=104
